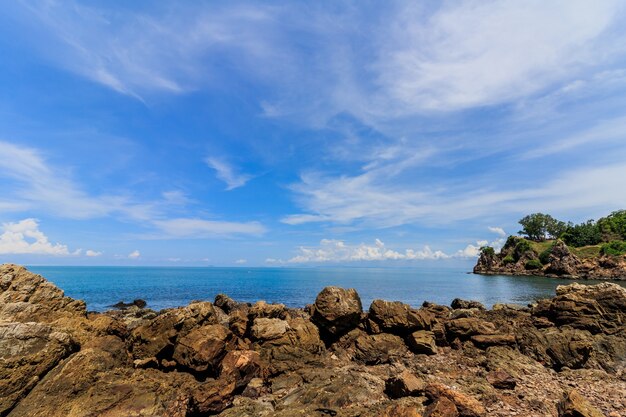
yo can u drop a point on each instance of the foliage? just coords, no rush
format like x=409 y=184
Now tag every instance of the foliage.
x=487 y=250
x=613 y=226
x=508 y=260
x=533 y=264
x=539 y=227
x=583 y=234
x=614 y=248
x=544 y=257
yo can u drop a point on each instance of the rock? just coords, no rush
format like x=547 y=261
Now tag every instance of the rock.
x=379 y=348
x=399 y=318
x=501 y=379
x=422 y=342
x=405 y=384
x=238 y=322
x=27 y=352
x=261 y=309
x=441 y=407
x=400 y=410
x=226 y=303
x=336 y=311
x=212 y=397
x=139 y=303
x=466 y=405
x=242 y=366
x=464 y=328
x=561 y=261
x=458 y=303
x=483 y=341
x=268 y=329
x=202 y=349
x=557 y=348
x=575 y=405
x=511 y=307
x=255 y=388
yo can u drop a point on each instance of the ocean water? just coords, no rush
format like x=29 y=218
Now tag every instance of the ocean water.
x=164 y=287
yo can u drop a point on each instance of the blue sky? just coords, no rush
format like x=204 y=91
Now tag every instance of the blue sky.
x=292 y=133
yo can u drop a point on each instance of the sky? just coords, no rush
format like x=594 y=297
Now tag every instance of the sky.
x=282 y=133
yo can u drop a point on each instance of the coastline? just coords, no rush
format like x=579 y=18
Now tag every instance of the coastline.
x=331 y=358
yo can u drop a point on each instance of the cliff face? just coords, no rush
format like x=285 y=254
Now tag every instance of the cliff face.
x=518 y=258
x=560 y=357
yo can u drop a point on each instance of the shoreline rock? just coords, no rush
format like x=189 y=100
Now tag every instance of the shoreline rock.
x=556 y=358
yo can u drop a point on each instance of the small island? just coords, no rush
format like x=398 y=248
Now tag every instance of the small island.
x=553 y=248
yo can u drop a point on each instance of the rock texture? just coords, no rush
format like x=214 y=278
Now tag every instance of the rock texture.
x=561 y=357
x=559 y=263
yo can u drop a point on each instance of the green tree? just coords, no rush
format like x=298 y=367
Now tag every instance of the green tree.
x=539 y=227
x=583 y=234
x=613 y=226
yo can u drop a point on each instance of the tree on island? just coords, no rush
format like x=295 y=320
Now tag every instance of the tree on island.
x=539 y=227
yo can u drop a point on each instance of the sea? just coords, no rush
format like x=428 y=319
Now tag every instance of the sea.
x=165 y=287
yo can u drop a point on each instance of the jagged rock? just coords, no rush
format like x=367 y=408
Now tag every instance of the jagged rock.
x=399 y=318
x=561 y=261
x=466 y=405
x=242 y=366
x=464 y=328
x=238 y=321
x=422 y=342
x=501 y=379
x=226 y=303
x=139 y=303
x=337 y=310
x=458 y=303
x=404 y=385
x=400 y=410
x=212 y=397
x=202 y=349
x=557 y=348
x=575 y=405
x=268 y=329
x=27 y=352
x=261 y=309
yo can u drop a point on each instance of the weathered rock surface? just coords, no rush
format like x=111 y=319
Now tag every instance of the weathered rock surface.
x=234 y=359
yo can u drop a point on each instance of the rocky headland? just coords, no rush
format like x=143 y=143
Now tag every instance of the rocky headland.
x=519 y=257
x=564 y=356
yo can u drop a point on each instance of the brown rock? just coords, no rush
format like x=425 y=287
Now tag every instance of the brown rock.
x=458 y=303
x=400 y=410
x=422 y=342
x=441 y=407
x=575 y=405
x=399 y=318
x=485 y=340
x=501 y=379
x=213 y=397
x=226 y=303
x=557 y=348
x=268 y=329
x=261 y=309
x=466 y=405
x=464 y=328
x=379 y=348
x=336 y=310
x=404 y=385
x=241 y=366
x=203 y=348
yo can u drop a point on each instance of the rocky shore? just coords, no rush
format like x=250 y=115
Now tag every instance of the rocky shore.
x=518 y=258
x=564 y=356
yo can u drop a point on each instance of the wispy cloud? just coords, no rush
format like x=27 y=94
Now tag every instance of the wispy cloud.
x=227 y=173
x=92 y=253
x=497 y=230
x=201 y=229
x=134 y=254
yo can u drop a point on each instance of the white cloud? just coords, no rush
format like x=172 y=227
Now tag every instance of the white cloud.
x=338 y=251
x=199 y=228
x=92 y=253
x=497 y=230
x=241 y=261
x=134 y=254
x=227 y=173
x=24 y=237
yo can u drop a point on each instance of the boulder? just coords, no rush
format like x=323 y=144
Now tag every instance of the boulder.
x=226 y=303
x=399 y=318
x=458 y=303
x=557 y=348
x=261 y=309
x=336 y=311
x=422 y=342
x=464 y=328
x=268 y=329
x=441 y=407
x=378 y=348
x=202 y=349
x=483 y=341
x=405 y=384
x=575 y=405
x=561 y=261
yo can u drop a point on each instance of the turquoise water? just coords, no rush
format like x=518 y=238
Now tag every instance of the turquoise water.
x=295 y=287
